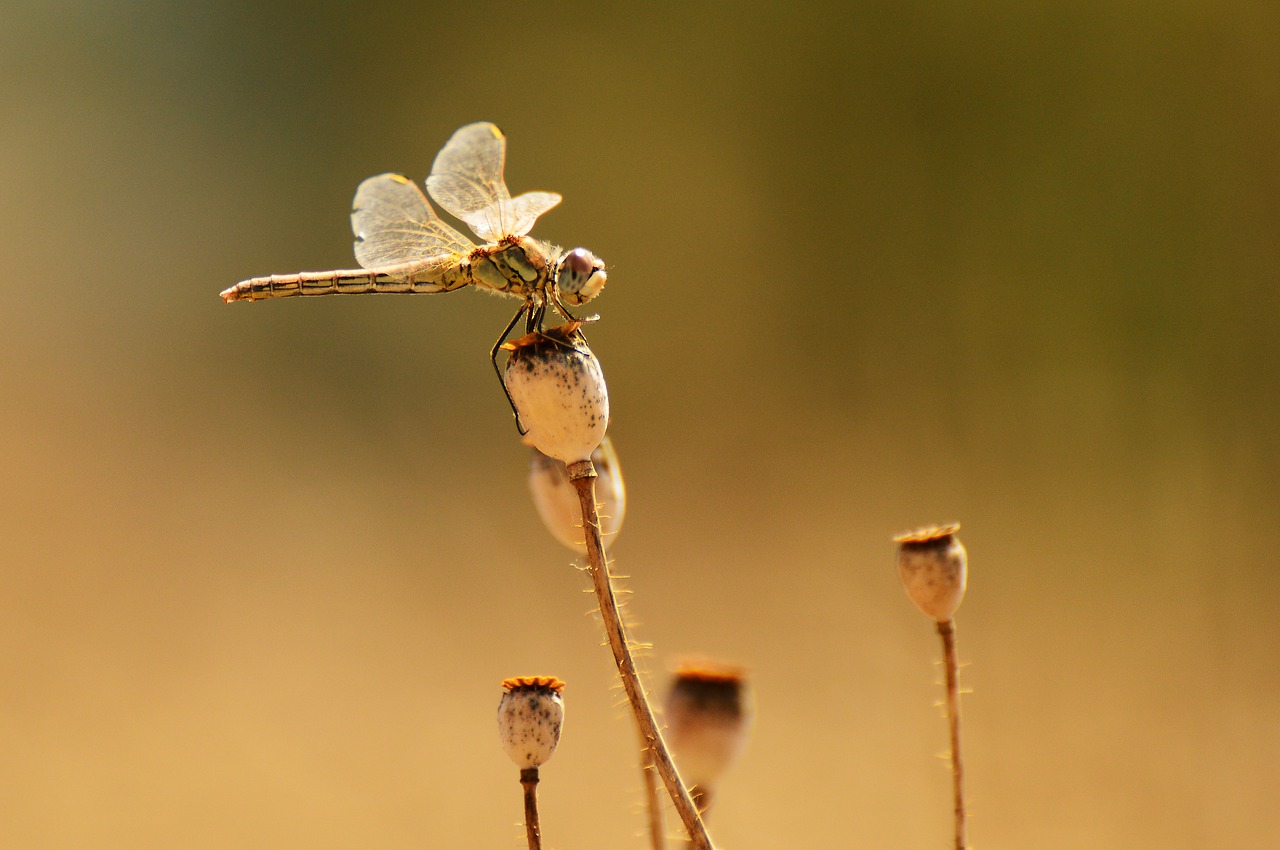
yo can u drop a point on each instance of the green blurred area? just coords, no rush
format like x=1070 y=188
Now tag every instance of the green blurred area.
x=871 y=266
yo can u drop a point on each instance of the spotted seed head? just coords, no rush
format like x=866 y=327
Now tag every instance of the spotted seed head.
x=933 y=567
x=558 y=389
x=530 y=715
x=708 y=717
x=557 y=500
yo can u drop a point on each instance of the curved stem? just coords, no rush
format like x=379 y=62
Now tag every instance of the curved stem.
x=529 y=781
x=649 y=773
x=583 y=476
x=947 y=630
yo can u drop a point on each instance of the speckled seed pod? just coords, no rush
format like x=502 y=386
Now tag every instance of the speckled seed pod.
x=933 y=567
x=557 y=500
x=529 y=719
x=708 y=717
x=558 y=388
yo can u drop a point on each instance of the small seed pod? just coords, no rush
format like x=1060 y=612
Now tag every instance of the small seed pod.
x=529 y=719
x=558 y=389
x=557 y=500
x=708 y=717
x=933 y=567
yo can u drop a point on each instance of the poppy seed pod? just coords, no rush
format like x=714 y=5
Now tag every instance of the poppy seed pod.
x=558 y=389
x=530 y=715
x=557 y=501
x=932 y=565
x=707 y=721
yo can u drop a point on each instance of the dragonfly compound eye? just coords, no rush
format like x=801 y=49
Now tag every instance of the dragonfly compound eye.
x=580 y=276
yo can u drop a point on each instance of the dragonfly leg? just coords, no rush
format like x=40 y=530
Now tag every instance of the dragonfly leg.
x=561 y=309
x=564 y=311
x=536 y=317
x=493 y=358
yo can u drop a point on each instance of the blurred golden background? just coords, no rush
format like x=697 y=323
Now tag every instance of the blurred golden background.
x=872 y=266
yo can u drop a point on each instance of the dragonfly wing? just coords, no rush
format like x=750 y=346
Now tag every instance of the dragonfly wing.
x=394 y=225
x=524 y=210
x=466 y=180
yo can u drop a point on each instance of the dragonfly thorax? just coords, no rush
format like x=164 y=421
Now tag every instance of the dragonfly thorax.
x=517 y=266
x=527 y=268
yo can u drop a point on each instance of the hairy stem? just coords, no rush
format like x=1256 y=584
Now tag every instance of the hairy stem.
x=947 y=630
x=649 y=773
x=583 y=476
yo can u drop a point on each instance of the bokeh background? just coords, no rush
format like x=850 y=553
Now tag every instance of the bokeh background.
x=873 y=265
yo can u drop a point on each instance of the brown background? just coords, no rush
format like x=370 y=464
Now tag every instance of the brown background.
x=1011 y=264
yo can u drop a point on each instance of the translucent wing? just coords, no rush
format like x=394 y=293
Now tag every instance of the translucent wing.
x=518 y=215
x=394 y=224
x=466 y=180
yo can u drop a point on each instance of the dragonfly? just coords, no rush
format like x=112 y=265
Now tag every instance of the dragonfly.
x=403 y=246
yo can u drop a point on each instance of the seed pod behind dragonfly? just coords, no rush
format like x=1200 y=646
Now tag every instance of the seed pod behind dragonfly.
x=557 y=500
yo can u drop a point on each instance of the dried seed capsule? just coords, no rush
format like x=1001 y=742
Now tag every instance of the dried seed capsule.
x=558 y=389
x=557 y=500
x=530 y=715
x=933 y=567
x=707 y=722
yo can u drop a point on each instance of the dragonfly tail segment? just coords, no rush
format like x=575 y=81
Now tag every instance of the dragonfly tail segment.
x=354 y=282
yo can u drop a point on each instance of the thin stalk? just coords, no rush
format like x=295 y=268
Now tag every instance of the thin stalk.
x=529 y=781
x=649 y=773
x=947 y=629
x=583 y=476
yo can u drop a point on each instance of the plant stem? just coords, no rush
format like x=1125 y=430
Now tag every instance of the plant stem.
x=947 y=629
x=583 y=476
x=529 y=781
x=649 y=773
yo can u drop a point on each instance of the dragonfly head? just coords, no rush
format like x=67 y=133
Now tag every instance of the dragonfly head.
x=580 y=276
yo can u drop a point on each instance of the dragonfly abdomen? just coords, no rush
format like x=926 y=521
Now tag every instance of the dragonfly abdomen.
x=345 y=282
